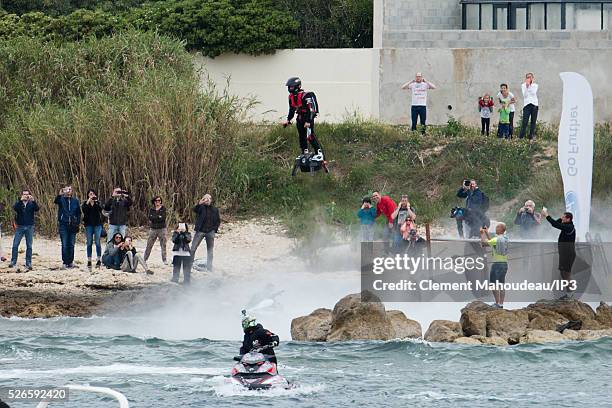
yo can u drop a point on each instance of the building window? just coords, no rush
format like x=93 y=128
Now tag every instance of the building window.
x=536 y=17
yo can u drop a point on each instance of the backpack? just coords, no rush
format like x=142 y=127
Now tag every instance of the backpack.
x=313 y=98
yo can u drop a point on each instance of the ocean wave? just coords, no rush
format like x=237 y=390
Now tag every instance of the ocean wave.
x=223 y=387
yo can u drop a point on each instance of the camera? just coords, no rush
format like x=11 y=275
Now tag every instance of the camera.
x=124 y=192
x=466 y=183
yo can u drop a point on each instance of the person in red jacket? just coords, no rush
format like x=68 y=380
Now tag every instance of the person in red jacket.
x=385 y=206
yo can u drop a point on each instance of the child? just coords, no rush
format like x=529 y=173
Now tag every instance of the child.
x=485 y=106
x=367 y=216
x=181 y=238
x=504 y=120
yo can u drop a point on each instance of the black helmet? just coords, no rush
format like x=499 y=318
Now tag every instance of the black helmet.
x=294 y=84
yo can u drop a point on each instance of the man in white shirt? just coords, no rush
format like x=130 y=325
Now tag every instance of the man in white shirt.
x=530 y=105
x=504 y=94
x=419 y=87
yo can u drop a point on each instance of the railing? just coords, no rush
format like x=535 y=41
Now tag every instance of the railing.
x=123 y=402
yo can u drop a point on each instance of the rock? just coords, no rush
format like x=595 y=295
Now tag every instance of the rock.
x=545 y=319
x=473 y=318
x=467 y=340
x=507 y=324
x=494 y=341
x=404 y=328
x=603 y=315
x=314 y=327
x=570 y=309
x=542 y=336
x=582 y=335
x=443 y=330
x=360 y=317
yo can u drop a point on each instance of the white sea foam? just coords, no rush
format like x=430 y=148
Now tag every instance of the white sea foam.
x=223 y=387
x=125 y=369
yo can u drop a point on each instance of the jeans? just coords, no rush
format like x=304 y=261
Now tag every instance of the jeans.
x=367 y=232
x=184 y=262
x=93 y=232
x=154 y=234
x=504 y=131
x=113 y=229
x=529 y=111
x=210 y=245
x=421 y=113
x=68 y=240
x=112 y=261
x=510 y=127
x=20 y=232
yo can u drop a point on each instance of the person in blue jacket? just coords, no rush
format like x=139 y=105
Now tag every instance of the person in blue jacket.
x=24 y=220
x=69 y=219
x=367 y=218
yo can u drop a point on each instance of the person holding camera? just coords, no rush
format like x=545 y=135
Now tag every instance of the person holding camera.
x=69 y=220
x=566 y=245
x=112 y=254
x=181 y=252
x=477 y=205
x=367 y=219
x=118 y=206
x=528 y=220
x=402 y=213
x=206 y=226
x=131 y=259
x=25 y=208
x=499 y=267
x=157 y=230
x=93 y=221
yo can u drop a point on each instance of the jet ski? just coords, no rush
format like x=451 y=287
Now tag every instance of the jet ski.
x=255 y=372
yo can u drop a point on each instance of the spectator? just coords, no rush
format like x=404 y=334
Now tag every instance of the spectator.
x=386 y=206
x=181 y=238
x=477 y=204
x=157 y=219
x=112 y=255
x=419 y=87
x=118 y=206
x=566 y=245
x=367 y=217
x=131 y=259
x=401 y=213
x=93 y=221
x=499 y=268
x=505 y=94
x=528 y=220
x=24 y=219
x=530 y=102
x=503 y=130
x=2 y=255
x=69 y=219
x=485 y=107
x=206 y=226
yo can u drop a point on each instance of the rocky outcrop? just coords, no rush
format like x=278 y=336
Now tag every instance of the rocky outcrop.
x=313 y=327
x=443 y=331
x=542 y=336
x=360 y=316
x=603 y=315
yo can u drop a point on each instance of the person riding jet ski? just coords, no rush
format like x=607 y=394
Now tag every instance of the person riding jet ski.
x=256 y=337
x=305 y=106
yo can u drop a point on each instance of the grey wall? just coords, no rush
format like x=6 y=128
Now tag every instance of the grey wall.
x=421 y=15
x=462 y=75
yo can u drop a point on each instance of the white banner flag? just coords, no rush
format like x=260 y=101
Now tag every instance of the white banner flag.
x=576 y=149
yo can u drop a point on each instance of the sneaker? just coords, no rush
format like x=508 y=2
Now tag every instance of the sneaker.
x=11 y=265
x=149 y=272
x=89 y=263
x=98 y=264
x=64 y=266
x=29 y=267
x=318 y=156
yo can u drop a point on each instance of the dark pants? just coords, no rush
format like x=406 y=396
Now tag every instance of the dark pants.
x=26 y=231
x=179 y=262
x=210 y=246
x=503 y=131
x=68 y=240
x=485 y=123
x=419 y=112
x=304 y=138
x=510 y=127
x=529 y=111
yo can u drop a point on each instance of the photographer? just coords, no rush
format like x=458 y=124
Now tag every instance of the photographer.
x=157 y=218
x=69 y=219
x=92 y=219
x=206 y=226
x=477 y=204
x=181 y=238
x=118 y=206
x=367 y=218
x=528 y=220
x=24 y=219
x=402 y=213
x=499 y=267
x=112 y=257
x=566 y=245
x=131 y=259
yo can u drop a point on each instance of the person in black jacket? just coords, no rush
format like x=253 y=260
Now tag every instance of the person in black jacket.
x=157 y=230
x=528 y=220
x=476 y=202
x=119 y=207
x=24 y=219
x=69 y=220
x=566 y=244
x=206 y=226
x=181 y=238
x=93 y=221
x=256 y=337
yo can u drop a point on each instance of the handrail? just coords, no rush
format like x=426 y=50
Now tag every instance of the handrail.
x=123 y=402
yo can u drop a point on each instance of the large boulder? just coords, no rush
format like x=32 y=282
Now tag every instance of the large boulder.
x=443 y=331
x=570 y=310
x=603 y=315
x=404 y=328
x=473 y=318
x=467 y=340
x=314 y=327
x=360 y=317
x=587 y=334
x=510 y=325
x=542 y=336
x=544 y=319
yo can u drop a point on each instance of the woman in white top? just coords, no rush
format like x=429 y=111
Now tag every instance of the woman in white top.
x=530 y=105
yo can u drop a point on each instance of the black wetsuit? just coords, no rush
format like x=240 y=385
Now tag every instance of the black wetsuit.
x=264 y=337
x=304 y=107
x=567 y=243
